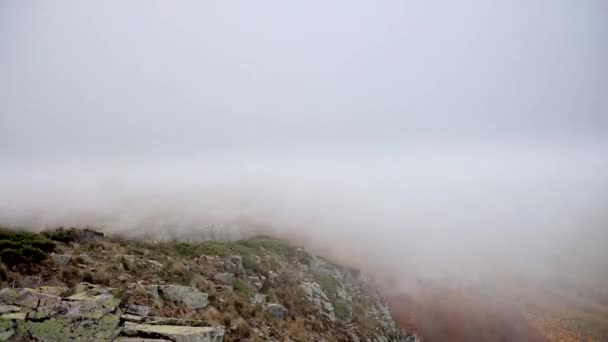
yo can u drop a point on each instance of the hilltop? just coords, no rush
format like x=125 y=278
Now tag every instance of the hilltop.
x=72 y=284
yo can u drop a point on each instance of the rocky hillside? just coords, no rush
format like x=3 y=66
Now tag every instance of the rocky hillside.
x=80 y=285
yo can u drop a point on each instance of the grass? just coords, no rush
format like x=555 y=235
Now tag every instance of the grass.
x=241 y=287
x=328 y=284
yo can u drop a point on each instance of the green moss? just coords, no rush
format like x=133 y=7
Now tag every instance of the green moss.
x=241 y=287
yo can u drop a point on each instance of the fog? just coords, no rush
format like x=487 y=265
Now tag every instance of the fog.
x=419 y=138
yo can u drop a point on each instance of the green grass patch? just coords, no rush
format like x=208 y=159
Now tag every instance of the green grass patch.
x=241 y=287
x=328 y=284
x=273 y=245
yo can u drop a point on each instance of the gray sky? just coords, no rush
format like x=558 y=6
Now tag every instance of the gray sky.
x=147 y=78
x=455 y=128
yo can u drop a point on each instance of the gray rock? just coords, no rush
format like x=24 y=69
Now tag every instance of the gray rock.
x=259 y=298
x=139 y=339
x=52 y=290
x=175 y=333
x=6 y=335
x=234 y=264
x=224 y=278
x=8 y=308
x=257 y=282
x=139 y=310
x=61 y=259
x=184 y=295
x=315 y=294
x=155 y=320
x=277 y=311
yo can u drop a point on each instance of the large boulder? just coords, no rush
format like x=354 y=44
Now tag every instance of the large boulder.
x=184 y=295
x=234 y=264
x=174 y=333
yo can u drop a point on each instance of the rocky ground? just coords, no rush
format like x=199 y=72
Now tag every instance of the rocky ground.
x=83 y=286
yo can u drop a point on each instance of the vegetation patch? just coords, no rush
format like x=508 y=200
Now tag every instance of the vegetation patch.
x=328 y=284
x=241 y=287
x=23 y=247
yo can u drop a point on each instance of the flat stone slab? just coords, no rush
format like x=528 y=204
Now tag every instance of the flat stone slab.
x=174 y=333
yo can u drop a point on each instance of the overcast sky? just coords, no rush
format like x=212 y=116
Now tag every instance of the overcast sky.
x=147 y=77
x=449 y=127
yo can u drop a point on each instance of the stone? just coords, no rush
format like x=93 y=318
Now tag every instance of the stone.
x=139 y=310
x=184 y=295
x=61 y=259
x=6 y=335
x=52 y=290
x=17 y=316
x=131 y=318
x=315 y=294
x=257 y=282
x=139 y=339
x=155 y=320
x=224 y=278
x=259 y=298
x=8 y=308
x=174 y=333
x=277 y=311
x=234 y=264
x=155 y=263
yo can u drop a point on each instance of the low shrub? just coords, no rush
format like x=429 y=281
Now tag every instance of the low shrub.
x=24 y=247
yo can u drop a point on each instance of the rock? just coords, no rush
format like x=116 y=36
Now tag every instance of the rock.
x=8 y=308
x=234 y=264
x=315 y=294
x=174 y=333
x=131 y=318
x=259 y=298
x=139 y=310
x=155 y=320
x=4 y=336
x=17 y=316
x=138 y=339
x=277 y=311
x=272 y=277
x=257 y=282
x=184 y=295
x=61 y=259
x=155 y=263
x=224 y=278
x=52 y=290
x=64 y=328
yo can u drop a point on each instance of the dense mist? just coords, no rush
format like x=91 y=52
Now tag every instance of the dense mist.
x=415 y=139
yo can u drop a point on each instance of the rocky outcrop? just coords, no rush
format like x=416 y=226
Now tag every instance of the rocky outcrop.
x=92 y=313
